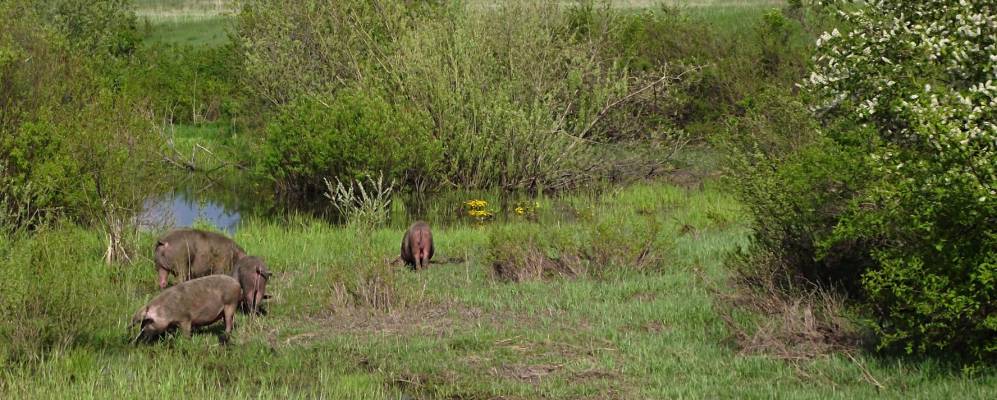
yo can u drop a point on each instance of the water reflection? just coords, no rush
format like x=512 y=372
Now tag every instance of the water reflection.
x=181 y=209
x=224 y=207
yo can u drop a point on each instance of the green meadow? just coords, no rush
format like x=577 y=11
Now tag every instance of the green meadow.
x=612 y=289
x=346 y=323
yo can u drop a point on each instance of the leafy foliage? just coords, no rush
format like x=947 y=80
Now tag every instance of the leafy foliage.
x=69 y=144
x=525 y=96
x=352 y=135
x=188 y=85
x=921 y=74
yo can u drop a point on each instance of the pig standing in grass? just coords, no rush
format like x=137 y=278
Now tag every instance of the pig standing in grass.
x=417 y=245
x=252 y=275
x=190 y=304
x=193 y=253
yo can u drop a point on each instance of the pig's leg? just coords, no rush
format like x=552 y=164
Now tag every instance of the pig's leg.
x=186 y=328
x=229 y=312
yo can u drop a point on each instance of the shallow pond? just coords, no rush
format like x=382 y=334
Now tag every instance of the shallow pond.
x=181 y=209
x=225 y=208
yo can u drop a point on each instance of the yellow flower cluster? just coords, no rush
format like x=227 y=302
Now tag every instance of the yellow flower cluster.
x=479 y=213
x=476 y=204
x=478 y=209
x=526 y=209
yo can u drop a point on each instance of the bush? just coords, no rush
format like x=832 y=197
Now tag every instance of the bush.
x=628 y=233
x=921 y=74
x=348 y=137
x=893 y=197
x=518 y=97
x=69 y=145
x=525 y=252
x=798 y=182
x=99 y=27
x=186 y=84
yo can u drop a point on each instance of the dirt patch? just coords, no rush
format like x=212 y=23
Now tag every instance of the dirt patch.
x=654 y=327
x=427 y=319
x=685 y=179
x=530 y=373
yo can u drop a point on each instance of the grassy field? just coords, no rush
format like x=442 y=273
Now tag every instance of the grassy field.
x=205 y=22
x=207 y=31
x=610 y=293
x=343 y=323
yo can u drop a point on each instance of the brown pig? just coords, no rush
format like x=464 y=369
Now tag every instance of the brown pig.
x=417 y=245
x=193 y=253
x=252 y=275
x=190 y=304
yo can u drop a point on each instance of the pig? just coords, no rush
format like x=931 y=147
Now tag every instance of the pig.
x=192 y=253
x=417 y=246
x=252 y=275
x=187 y=305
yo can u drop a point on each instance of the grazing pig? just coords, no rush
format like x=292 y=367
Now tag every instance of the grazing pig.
x=192 y=253
x=252 y=275
x=190 y=304
x=417 y=245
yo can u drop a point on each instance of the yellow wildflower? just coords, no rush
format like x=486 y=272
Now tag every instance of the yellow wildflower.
x=476 y=203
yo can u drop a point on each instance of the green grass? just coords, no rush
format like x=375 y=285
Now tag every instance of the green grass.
x=200 y=31
x=453 y=332
x=204 y=22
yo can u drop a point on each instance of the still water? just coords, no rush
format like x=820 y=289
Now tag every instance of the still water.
x=225 y=208
x=181 y=209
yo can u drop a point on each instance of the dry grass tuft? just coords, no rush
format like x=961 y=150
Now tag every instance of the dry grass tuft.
x=786 y=322
x=529 y=263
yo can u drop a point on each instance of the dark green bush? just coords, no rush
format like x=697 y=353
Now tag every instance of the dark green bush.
x=798 y=180
x=99 y=27
x=187 y=85
x=346 y=137
x=526 y=96
x=892 y=197
x=69 y=144
x=932 y=213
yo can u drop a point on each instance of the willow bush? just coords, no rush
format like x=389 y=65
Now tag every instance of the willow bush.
x=524 y=95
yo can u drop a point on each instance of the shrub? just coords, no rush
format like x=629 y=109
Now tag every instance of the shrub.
x=361 y=203
x=921 y=74
x=525 y=252
x=186 y=84
x=626 y=234
x=348 y=137
x=798 y=181
x=69 y=145
x=518 y=97
x=100 y=27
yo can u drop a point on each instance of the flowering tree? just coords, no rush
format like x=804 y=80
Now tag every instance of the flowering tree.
x=921 y=73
